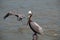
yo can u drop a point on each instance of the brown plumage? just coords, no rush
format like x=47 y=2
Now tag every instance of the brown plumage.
x=34 y=27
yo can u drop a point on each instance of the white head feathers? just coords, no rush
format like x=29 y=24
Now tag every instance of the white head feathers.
x=30 y=12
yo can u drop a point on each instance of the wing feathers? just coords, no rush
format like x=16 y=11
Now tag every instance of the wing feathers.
x=19 y=16
x=8 y=14
x=36 y=27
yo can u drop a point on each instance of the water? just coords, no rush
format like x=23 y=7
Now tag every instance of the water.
x=45 y=12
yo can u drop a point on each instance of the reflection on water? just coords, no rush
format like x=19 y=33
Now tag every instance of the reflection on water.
x=45 y=12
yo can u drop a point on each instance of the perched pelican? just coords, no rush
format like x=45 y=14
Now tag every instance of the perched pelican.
x=34 y=26
x=19 y=16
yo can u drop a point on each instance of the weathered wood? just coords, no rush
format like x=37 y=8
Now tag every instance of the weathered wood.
x=35 y=37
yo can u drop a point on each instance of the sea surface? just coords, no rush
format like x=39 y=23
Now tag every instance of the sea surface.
x=45 y=12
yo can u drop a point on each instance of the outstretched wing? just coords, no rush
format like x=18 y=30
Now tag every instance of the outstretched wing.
x=16 y=15
x=19 y=17
x=8 y=14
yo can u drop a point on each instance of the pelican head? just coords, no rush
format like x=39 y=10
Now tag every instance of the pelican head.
x=29 y=13
x=29 y=16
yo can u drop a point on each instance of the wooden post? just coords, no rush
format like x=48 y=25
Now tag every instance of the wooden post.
x=35 y=37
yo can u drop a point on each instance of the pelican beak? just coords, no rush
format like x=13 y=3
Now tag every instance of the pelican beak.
x=28 y=19
x=28 y=16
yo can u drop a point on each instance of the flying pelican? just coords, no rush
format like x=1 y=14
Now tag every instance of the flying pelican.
x=19 y=16
x=34 y=26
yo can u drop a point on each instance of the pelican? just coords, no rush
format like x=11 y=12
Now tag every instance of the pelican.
x=34 y=26
x=19 y=16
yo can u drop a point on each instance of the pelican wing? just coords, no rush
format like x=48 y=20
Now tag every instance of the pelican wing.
x=36 y=27
x=6 y=15
x=16 y=15
x=19 y=17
